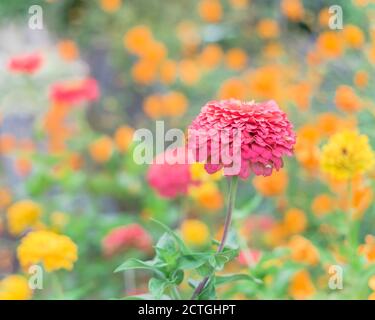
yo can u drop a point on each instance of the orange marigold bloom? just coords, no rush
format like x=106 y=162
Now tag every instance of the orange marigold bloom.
x=295 y=221
x=233 y=88
x=211 y=56
x=189 y=72
x=144 y=72
x=361 y=79
x=302 y=250
x=210 y=10
x=292 y=9
x=362 y=199
x=101 y=149
x=347 y=100
x=7 y=143
x=174 y=104
x=272 y=185
x=301 y=286
x=353 y=36
x=153 y=106
x=124 y=138
x=330 y=44
x=322 y=205
x=137 y=39
x=68 y=50
x=110 y=5
x=301 y=94
x=324 y=16
x=236 y=59
x=328 y=123
x=268 y=29
x=168 y=71
x=368 y=248
x=154 y=52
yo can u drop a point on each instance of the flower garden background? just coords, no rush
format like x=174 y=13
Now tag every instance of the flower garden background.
x=100 y=226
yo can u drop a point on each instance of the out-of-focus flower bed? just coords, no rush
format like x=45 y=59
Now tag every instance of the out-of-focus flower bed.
x=74 y=201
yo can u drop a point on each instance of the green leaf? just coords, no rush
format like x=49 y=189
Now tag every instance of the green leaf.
x=157 y=287
x=235 y=277
x=192 y=261
x=181 y=244
x=209 y=292
x=177 y=277
x=146 y=296
x=139 y=264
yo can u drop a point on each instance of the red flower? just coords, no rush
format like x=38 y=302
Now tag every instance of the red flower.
x=29 y=63
x=241 y=137
x=248 y=256
x=170 y=179
x=75 y=92
x=132 y=236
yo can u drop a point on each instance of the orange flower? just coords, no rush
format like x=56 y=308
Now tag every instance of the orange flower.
x=189 y=72
x=328 y=123
x=347 y=100
x=68 y=50
x=324 y=17
x=330 y=44
x=361 y=79
x=295 y=221
x=301 y=94
x=272 y=185
x=236 y=59
x=268 y=29
x=137 y=39
x=233 y=88
x=174 y=104
x=144 y=72
x=368 y=249
x=353 y=36
x=7 y=143
x=273 y=50
x=153 y=106
x=210 y=10
x=322 y=205
x=154 y=52
x=362 y=199
x=302 y=250
x=168 y=71
x=101 y=149
x=110 y=5
x=23 y=166
x=123 y=138
x=292 y=9
x=301 y=286
x=211 y=56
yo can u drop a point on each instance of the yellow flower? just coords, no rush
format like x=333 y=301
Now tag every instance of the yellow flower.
x=195 y=232
x=346 y=155
x=15 y=287
x=53 y=250
x=207 y=195
x=22 y=215
x=199 y=173
x=301 y=286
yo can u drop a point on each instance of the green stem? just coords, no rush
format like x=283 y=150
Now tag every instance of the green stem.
x=175 y=293
x=228 y=219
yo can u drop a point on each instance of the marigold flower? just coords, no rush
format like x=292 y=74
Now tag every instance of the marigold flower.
x=189 y=72
x=301 y=286
x=54 y=251
x=68 y=50
x=295 y=221
x=168 y=71
x=27 y=64
x=23 y=215
x=347 y=100
x=233 y=88
x=368 y=248
x=346 y=155
x=144 y=71
x=322 y=205
x=110 y=5
x=137 y=39
x=124 y=138
x=330 y=44
x=195 y=232
x=265 y=135
x=353 y=36
x=207 y=195
x=211 y=56
x=292 y=9
x=101 y=149
x=272 y=185
x=302 y=250
x=131 y=236
x=236 y=59
x=210 y=10
x=268 y=29
x=15 y=287
x=170 y=180
x=7 y=143
x=361 y=79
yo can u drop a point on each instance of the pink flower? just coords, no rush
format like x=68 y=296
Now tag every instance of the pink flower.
x=248 y=256
x=170 y=179
x=75 y=92
x=132 y=236
x=28 y=63
x=241 y=137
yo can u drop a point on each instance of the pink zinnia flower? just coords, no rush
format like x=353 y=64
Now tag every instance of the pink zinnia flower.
x=132 y=236
x=170 y=179
x=28 y=63
x=241 y=137
x=75 y=92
